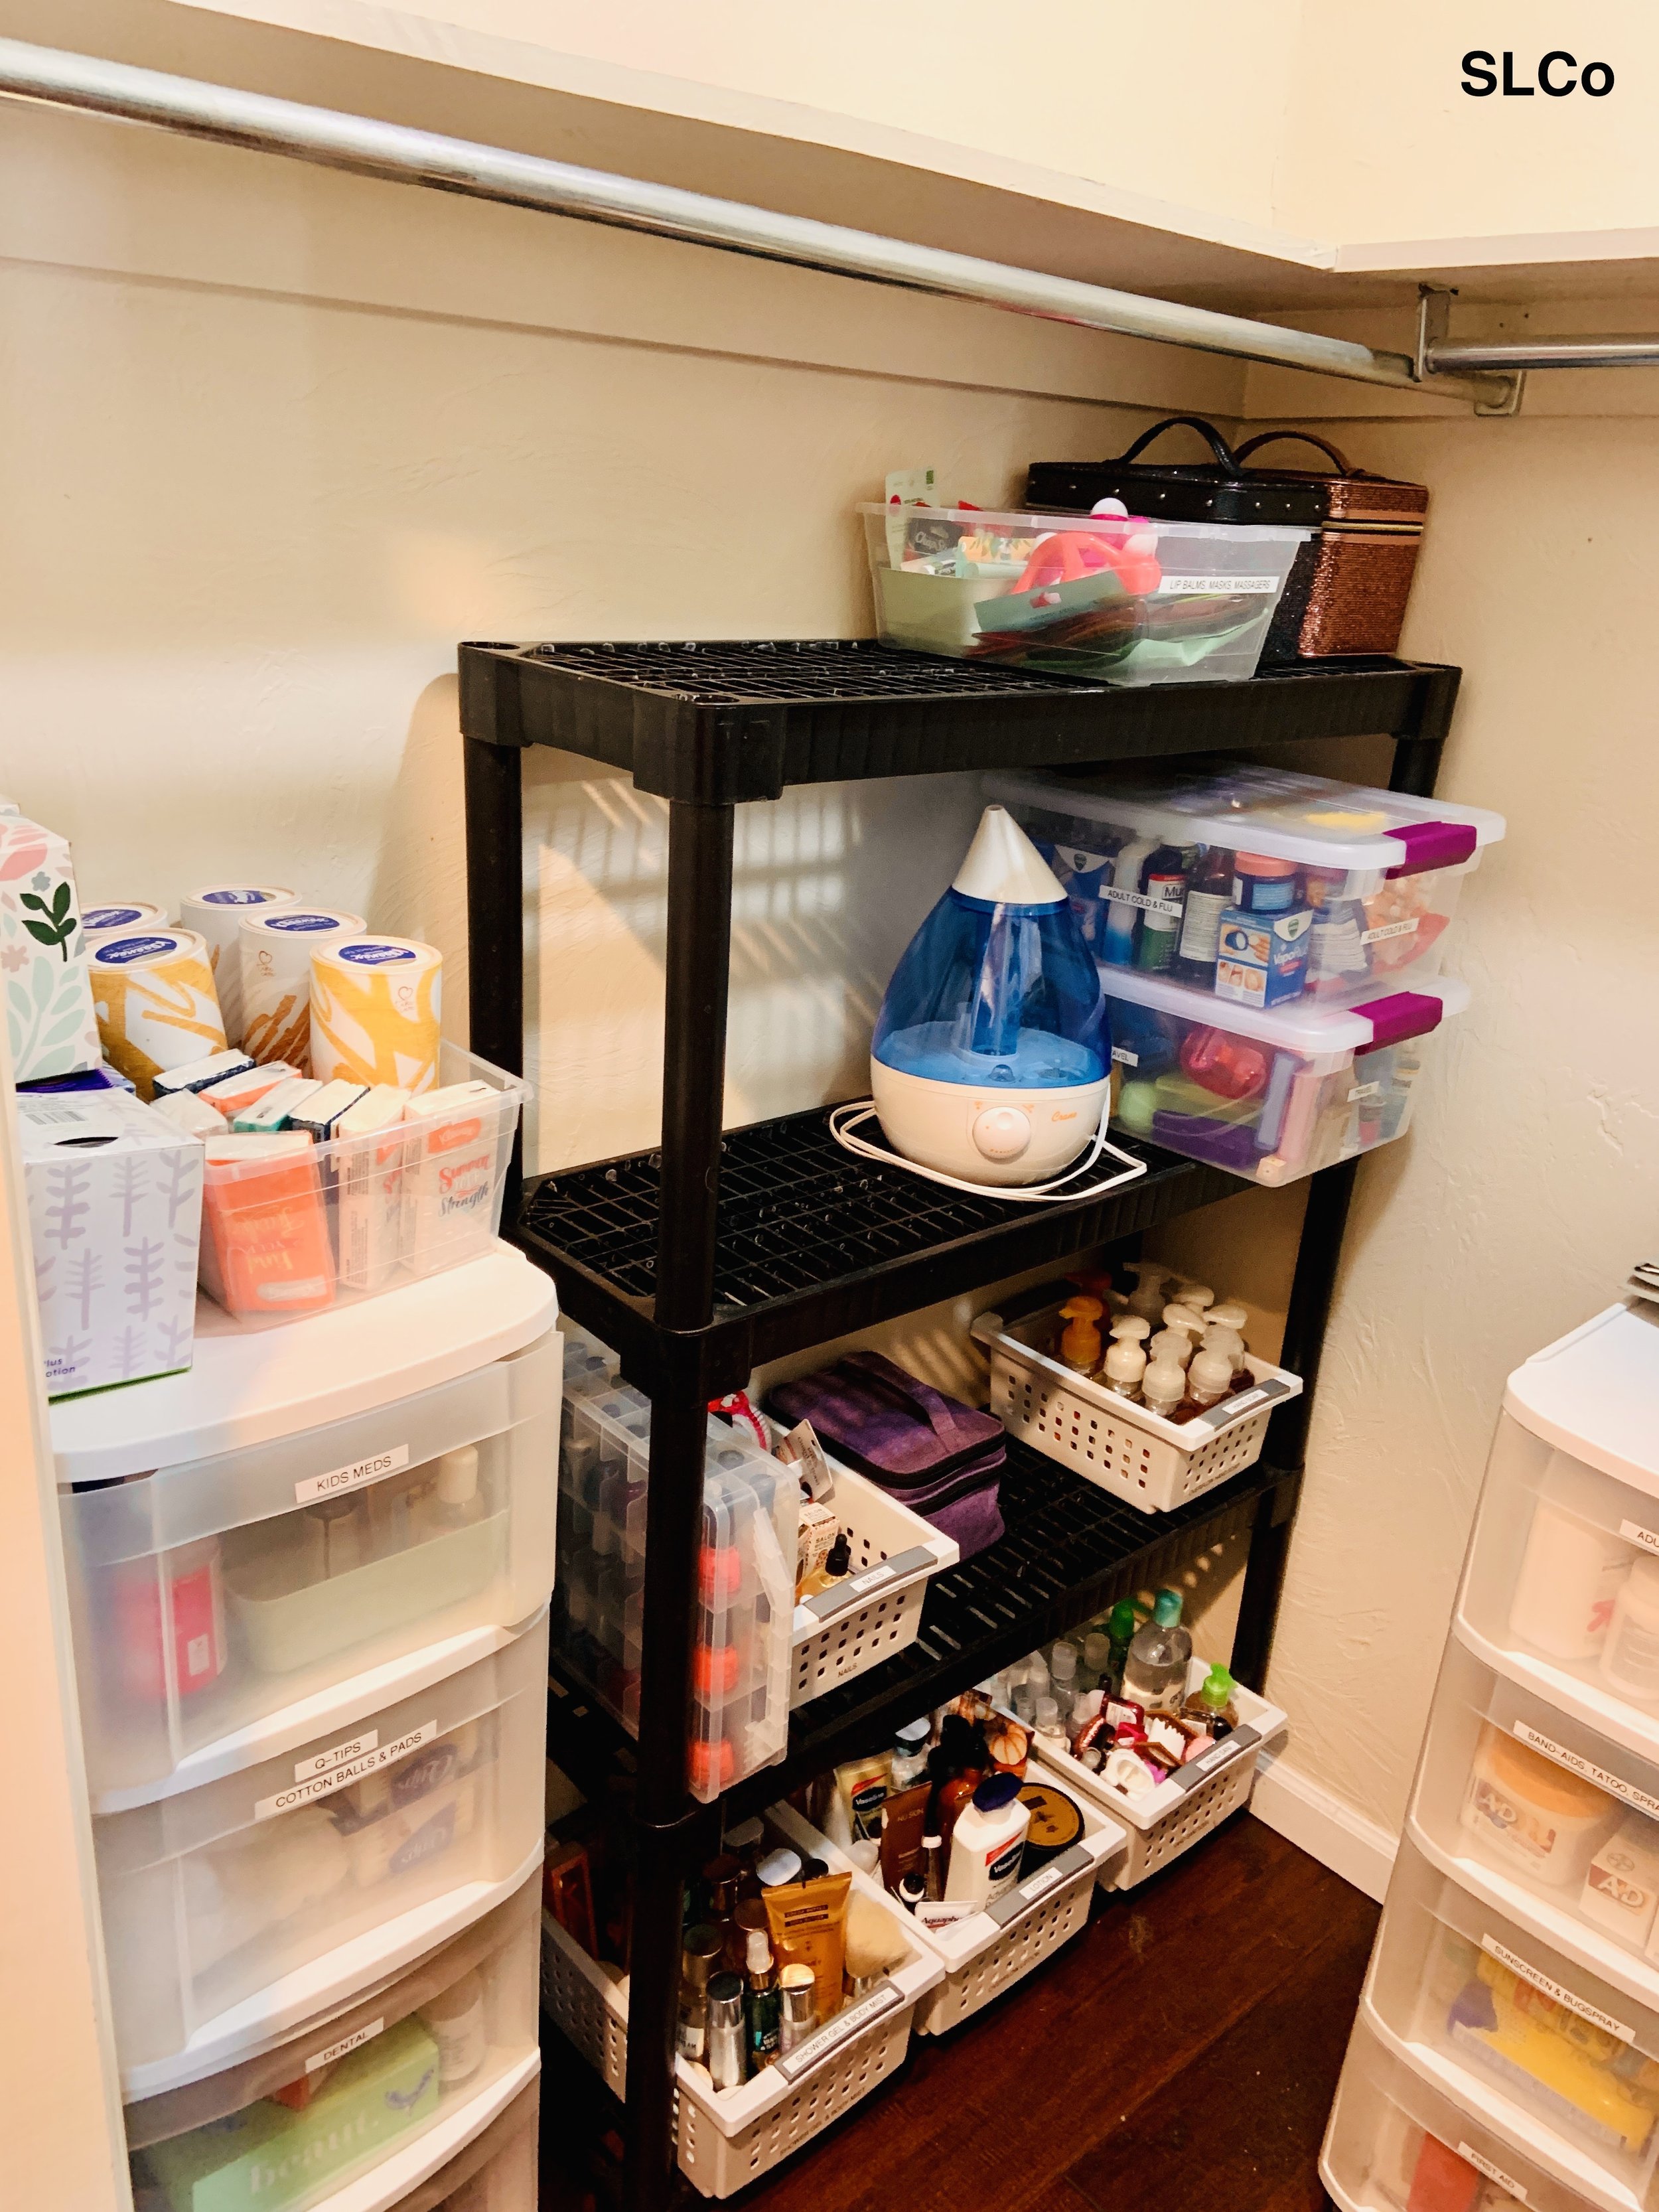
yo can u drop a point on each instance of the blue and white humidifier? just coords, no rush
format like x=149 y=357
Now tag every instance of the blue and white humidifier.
x=992 y=1057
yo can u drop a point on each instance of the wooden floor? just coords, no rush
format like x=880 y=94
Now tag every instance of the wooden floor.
x=1179 y=2057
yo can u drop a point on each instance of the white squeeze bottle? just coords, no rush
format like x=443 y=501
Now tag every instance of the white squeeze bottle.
x=1573 y=1564
x=987 y=1842
x=1155 y=1673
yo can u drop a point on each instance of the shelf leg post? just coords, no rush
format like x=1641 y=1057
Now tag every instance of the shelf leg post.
x=494 y=922
x=694 y=1076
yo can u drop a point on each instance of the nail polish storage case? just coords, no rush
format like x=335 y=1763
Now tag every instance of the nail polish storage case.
x=1560 y=1592
x=1272 y=1095
x=1373 y=877
x=359 y=2108
x=238 y=1911
x=306 y=1522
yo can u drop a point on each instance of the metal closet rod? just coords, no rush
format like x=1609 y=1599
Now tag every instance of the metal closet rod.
x=399 y=154
x=1514 y=355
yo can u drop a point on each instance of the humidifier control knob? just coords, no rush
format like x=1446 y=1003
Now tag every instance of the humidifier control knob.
x=1002 y=1133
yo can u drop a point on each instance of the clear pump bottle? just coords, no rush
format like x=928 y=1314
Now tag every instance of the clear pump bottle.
x=1154 y=1677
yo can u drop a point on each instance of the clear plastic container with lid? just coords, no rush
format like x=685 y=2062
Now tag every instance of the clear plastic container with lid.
x=375 y=2098
x=1260 y=884
x=1269 y=1093
x=1111 y=596
x=1561 y=1589
x=236 y=1912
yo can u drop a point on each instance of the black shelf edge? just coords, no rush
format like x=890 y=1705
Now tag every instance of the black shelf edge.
x=727 y=721
x=1071 y=1550
x=814 y=1243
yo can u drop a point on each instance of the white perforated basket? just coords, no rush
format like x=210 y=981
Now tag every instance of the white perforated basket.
x=989 y=1951
x=1172 y=1818
x=728 y=2138
x=877 y=1611
x=1149 y=1463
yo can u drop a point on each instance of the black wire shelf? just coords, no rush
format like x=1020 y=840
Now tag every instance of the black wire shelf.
x=730 y=719
x=814 y=1243
x=1070 y=1550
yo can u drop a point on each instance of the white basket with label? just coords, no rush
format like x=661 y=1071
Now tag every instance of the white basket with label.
x=727 y=2138
x=877 y=1610
x=986 y=1952
x=1151 y=1463
x=1197 y=1797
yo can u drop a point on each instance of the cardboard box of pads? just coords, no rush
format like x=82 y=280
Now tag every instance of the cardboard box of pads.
x=43 y=955
x=114 y=1193
x=268 y=2155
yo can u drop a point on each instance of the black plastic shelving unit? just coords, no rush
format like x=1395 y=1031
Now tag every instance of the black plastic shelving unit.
x=724 y=1250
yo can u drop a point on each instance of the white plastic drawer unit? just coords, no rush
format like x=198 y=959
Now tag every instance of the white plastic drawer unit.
x=1395 y=2143
x=1560 y=2062
x=241 y=1909
x=497 y=2172
x=225 y=1606
x=1554 y=1823
x=357 y=2110
x=1561 y=1590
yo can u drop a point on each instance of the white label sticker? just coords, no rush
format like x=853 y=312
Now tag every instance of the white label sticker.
x=1364 y=1091
x=353 y=1477
x=1146 y=900
x=1122 y=1053
x=873 y=1580
x=325 y=1762
x=1390 y=929
x=1041 y=1884
x=1614 y=1782
x=346 y=2043
x=1169 y=585
x=1555 y=1992
x=1634 y=1533
x=1468 y=2152
x=350 y=1771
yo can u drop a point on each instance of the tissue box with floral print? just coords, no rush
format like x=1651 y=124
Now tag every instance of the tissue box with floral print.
x=43 y=955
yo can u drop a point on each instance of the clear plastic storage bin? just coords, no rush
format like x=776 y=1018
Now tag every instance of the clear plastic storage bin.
x=1551 y=1820
x=223 y=1605
x=1357 y=893
x=727 y=2138
x=300 y=1233
x=1561 y=2062
x=1271 y=1094
x=1151 y=1463
x=241 y=1909
x=750 y=1513
x=1109 y=597
x=1561 y=1590
x=357 y=2110
x=494 y=2173
x=1396 y=2143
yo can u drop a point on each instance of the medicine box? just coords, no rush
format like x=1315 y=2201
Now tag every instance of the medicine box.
x=1396 y=2142
x=237 y=1911
x=1274 y=1093
x=1108 y=597
x=379 y=2093
x=742 y=1671
x=1562 y=2061
x=218 y=1602
x=50 y=1023
x=1357 y=897
x=114 y=1195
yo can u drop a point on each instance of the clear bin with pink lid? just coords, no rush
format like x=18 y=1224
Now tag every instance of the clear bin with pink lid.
x=1261 y=886
x=1108 y=597
x=1272 y=1095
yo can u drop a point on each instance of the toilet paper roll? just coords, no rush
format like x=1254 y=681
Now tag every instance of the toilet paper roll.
x=274 y=951
x=100 y=921
x=152 y=991
x=216 y=914
x=374 y=1009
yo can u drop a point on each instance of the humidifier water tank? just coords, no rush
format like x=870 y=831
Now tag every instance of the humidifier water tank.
x=991 y=1059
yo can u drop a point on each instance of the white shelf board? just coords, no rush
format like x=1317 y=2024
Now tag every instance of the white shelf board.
x=249 y=1386
x=1596 y=1394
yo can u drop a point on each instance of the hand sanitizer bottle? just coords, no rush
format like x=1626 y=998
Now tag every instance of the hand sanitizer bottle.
x=1154 y=1677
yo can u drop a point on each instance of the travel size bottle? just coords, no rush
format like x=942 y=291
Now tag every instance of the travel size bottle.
x=1154 y=1677
x=1120 y=1634
x=1209 y=894
x=760 y=2004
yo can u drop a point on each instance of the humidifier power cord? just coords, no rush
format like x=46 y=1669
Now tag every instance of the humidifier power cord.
x=1058 y=1191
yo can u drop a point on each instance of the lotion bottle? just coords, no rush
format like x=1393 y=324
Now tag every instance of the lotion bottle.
x=987 y=1842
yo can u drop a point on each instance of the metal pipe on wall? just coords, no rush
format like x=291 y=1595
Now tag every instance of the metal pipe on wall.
x=1512 y=356
x=399 y=154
